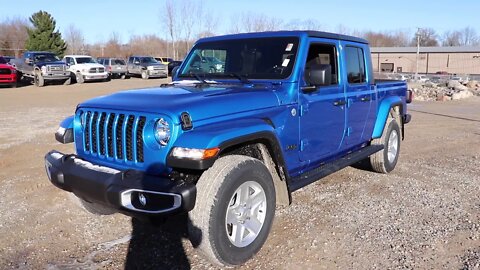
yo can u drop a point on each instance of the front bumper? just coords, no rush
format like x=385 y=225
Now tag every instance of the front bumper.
x=157 y=73
x=8 y=79
x=56 y=75
x=95 y=76
x=130 y=192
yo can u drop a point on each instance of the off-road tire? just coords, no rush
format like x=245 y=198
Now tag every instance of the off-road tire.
x=215 y=189
x=379 y=161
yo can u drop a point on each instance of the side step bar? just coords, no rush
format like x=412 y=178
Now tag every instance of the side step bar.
x=329 y=168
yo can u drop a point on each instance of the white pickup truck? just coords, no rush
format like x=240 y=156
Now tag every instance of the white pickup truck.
x=85 y=68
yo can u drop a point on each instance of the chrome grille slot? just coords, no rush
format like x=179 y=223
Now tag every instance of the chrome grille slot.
x=114 y=135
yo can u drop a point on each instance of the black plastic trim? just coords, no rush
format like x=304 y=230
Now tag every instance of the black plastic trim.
x=329 y=168
x=104 y=187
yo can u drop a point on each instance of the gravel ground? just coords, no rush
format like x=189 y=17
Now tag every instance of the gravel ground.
x=423 y=215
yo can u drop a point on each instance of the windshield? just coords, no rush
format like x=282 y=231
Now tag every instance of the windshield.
x=254 y=58
x=148 y=60
x=47 y=57
x=85 y=60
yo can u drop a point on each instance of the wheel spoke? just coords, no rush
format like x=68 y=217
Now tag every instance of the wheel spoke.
x=256 y=200
x=231 y=216
x=253 y=225
x=238 y=232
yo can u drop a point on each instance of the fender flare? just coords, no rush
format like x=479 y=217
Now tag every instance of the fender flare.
x=224 y=136
x=382 y=114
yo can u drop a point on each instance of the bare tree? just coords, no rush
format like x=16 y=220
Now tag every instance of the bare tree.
x=310 y=24
x=452 y=38
x=13 y=35
x=171 y=21
x=427 y=37
x=253 y=22
x=469 y=36
x=386 y=39
x=75 y=40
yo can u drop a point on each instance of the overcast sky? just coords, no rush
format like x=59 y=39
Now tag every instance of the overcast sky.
x=98 y=19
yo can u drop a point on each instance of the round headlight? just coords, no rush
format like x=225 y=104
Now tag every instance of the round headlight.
x=162 y=131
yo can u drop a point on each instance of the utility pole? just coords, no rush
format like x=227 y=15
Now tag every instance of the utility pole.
x=418 y=53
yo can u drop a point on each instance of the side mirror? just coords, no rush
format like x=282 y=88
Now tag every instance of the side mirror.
x=318 y=75
x=174 y=72
x=28 y=61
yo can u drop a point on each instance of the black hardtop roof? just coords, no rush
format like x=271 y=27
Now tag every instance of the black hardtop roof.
x=318 y=34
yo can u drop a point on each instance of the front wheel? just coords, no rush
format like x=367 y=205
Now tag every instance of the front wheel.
x=145 y=75
x=39 y=80
x=385 y=160
x=79 y=78
x=234 y=210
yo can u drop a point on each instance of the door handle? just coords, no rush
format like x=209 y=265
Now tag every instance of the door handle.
x=339 y=103
x=365 y=99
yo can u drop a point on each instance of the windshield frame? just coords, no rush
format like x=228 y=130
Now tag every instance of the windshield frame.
x=232 y=76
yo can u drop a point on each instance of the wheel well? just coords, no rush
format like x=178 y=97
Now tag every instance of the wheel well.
x=262 y=150
x=395 y=113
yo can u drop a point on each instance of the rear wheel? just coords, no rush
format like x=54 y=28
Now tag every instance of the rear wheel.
x=123 y=77
x=234 y=210
x=385 y=160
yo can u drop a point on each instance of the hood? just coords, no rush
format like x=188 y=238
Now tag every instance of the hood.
x=41 y=64
x=200 y=103
x=7 y=66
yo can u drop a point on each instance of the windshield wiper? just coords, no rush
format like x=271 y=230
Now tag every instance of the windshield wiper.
x=242 y=77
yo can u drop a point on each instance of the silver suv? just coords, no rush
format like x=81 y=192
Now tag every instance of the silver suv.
x=116 y=67
x=147 y=67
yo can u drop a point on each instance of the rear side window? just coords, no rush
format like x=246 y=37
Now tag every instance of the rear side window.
x=355 y=65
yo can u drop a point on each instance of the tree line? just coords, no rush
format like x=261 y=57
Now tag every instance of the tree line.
x=183 y=22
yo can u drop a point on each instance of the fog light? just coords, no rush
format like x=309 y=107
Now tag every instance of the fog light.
x=142 y=199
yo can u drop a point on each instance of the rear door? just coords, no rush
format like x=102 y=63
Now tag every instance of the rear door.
x=322 y=111
x=359 y=92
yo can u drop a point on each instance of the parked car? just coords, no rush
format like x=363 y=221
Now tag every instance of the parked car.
x=202 y=64
x=116 y=67
x=230 y=146
x=164 y=60
x=147 y=67
x=421 y=79
x=85 y=68
x=8 y=73
x=172 y=65
x=42 y=67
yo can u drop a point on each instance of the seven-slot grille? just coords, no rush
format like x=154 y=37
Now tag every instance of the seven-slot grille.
x=114 y=135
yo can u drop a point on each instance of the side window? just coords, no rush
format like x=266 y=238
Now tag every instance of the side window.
x=71 y=61
x=130 y=60
x=323 y=54
x=355 y=65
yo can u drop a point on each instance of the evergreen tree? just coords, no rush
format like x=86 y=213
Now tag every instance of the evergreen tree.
x=43 y=37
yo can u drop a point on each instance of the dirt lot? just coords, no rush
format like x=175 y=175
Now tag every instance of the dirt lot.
x=424 y=215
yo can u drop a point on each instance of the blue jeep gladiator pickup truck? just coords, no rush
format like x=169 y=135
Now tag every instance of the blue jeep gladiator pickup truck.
x=227 y=145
